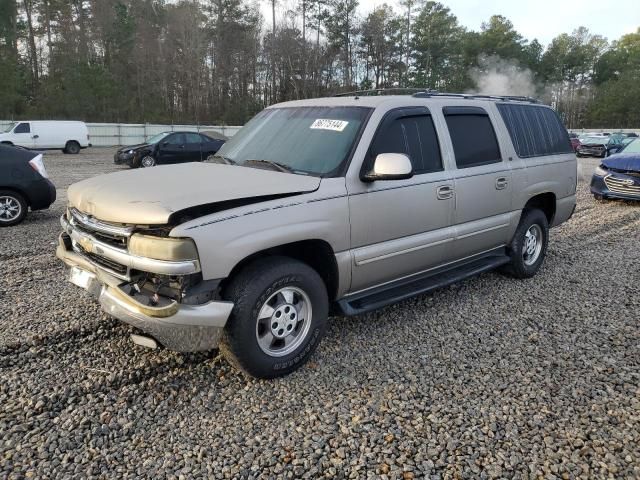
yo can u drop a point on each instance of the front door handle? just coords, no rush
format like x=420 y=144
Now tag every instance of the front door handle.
x=501 y=183
x=36 y=136
x=444 y=192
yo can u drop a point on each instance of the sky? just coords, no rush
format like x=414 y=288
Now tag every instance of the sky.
x=544 y=19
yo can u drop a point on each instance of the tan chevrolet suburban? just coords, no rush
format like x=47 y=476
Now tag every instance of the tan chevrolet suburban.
x=339 y=205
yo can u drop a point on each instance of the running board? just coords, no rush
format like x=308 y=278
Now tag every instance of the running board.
x=401 y=290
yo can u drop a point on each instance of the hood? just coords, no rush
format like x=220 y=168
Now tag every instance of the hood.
x=149 y=196
x=629 y=162
x=134 y=147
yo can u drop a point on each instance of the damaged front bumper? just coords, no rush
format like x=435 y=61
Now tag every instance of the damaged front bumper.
x=179 y=327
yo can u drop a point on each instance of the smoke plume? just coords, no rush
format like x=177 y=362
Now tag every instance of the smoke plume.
x=496 y=76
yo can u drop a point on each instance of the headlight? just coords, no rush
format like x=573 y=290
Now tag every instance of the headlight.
x=130 y=152
x=163 y=248
x=600 y=172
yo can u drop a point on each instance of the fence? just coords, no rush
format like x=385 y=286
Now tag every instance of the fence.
x=118 y=134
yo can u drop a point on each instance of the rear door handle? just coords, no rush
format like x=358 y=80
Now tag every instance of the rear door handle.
x=501 y=183
x=444 y=192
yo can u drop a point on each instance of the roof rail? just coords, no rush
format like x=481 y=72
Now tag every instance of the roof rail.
x=477 y=96
x=427 y=93
x=383 y=91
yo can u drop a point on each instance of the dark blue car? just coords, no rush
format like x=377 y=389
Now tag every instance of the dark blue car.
x=618 y=176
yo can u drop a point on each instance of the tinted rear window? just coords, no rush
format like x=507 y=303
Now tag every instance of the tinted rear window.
x=535 y=131
x=472 y=135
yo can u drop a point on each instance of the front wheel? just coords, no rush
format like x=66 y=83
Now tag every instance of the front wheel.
x=147 y=161
x=279 y=316
x=529 y=245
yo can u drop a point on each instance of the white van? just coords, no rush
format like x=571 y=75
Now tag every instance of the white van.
x=68 y=136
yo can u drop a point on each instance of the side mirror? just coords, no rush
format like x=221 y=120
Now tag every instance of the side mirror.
x=390 y=166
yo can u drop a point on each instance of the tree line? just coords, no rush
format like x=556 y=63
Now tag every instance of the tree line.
x=221 y=61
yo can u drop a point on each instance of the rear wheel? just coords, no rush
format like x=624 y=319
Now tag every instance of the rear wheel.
x=13 y=208
x=279 y=316
x=529 y=245
x=72 y=147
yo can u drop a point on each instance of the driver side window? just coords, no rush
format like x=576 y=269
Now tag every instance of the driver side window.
x=416 y=137
x=175 y=139
x=22 y=128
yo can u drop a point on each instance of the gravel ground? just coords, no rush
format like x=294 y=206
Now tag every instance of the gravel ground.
x=489 y=378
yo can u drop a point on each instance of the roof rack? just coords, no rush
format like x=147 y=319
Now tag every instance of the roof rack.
x=427 y=93
x=382 y=91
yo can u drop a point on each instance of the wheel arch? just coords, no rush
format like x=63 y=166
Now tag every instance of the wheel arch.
x=546 y=202
x=316 y=253
x=19 y=191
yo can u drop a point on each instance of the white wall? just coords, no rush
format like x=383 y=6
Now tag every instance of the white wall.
x=117 y=134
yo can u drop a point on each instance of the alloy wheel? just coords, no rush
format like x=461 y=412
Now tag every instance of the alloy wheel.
x=532 y=245
x=148 y=161
x=10 y=208
x=283 y=321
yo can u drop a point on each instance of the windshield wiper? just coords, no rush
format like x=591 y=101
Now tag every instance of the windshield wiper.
x=277 y=165
x=226 y=160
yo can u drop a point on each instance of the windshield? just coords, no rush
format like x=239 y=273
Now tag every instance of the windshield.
x=158 y=137
x=10 y=127
x=307 y=140
x=632 y=147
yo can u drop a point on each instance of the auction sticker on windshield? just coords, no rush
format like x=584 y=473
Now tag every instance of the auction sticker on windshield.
x=327 y=124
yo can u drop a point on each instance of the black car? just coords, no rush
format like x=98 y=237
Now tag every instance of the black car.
x=619 y=175
x=169 y=147
x=23 y=184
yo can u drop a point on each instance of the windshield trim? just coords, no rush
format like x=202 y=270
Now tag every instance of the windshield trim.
x=341 y=170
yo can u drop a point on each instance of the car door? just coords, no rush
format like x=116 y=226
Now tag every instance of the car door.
x=172 y=149
x=401 y=227
x=192 y=148
x=482 y=179
x=23 y=135
x=210 y=146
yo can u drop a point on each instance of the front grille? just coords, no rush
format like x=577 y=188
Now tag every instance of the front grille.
x=113 y=240
x=106 y=263
x=619 y=185
x=113 y=235
x=108 y=234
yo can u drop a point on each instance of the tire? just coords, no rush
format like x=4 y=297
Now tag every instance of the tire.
x=259 y=347
x=13 y=208
x=527 y=260
x=147 y=161
x=72 y=147
x=599 y=198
